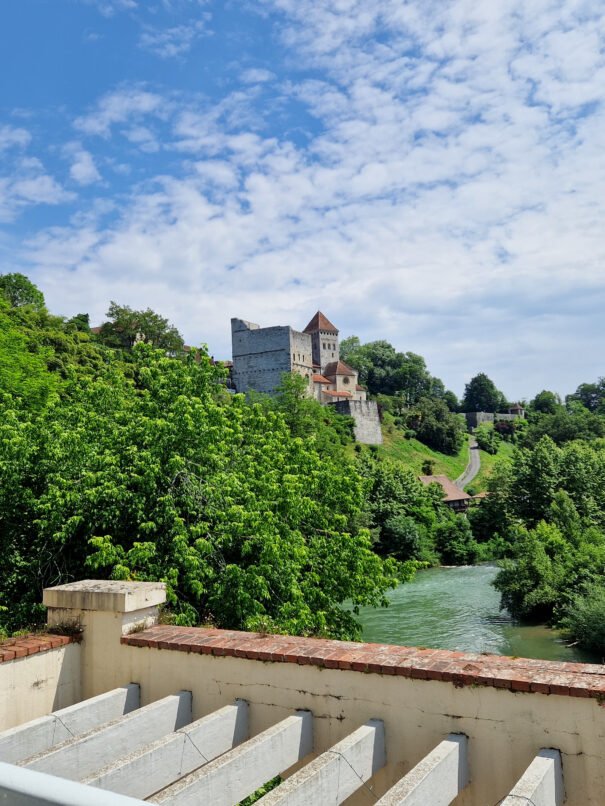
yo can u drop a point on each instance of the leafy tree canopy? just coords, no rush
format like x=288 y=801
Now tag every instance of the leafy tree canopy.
x=126 y=327
x=385 y=371
x=481 y=394
x=19 y=290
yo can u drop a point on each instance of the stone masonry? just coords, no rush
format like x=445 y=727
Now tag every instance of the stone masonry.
x=261 y=355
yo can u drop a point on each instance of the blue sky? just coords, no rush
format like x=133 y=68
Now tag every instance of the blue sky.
x=427 y=172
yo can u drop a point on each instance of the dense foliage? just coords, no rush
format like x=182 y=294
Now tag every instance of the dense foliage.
x=388 y=372
x=481 y=394
x=144 y=467
x=547 y=513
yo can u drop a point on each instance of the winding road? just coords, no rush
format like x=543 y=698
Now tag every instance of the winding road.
x=473 y=467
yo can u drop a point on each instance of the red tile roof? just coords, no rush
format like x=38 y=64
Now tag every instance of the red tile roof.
x=320 y=379
x=359 y=388
x=452 y=493
x=338 y=368
x=320 y=322
x=334 y=393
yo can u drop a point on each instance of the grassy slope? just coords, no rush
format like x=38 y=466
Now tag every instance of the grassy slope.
x=413 y=453
x=488 y=463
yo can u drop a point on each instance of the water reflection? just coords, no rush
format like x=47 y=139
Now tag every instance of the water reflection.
x=457 y=608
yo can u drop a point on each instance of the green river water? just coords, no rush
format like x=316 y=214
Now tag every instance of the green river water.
x=457 y=608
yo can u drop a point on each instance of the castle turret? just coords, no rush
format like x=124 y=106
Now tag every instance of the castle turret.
x=324 y=339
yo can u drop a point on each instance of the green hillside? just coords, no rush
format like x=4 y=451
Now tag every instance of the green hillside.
x=413 y=454
x=488 y=463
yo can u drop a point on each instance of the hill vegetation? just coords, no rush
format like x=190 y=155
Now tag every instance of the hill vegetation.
x=125 y=460
x=123 y=455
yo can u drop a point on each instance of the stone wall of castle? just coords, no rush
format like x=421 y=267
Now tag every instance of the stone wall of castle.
x=260 y=356
x=367 y=421
x=476 y=418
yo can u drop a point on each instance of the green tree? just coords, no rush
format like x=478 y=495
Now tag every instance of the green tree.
x=147 y=471
x=481 y=394
x=18 y=290
x=590 y=395
x=488 y=439
x=388 y=372
x=436 y=426
x=126 y=327
x=546 y=402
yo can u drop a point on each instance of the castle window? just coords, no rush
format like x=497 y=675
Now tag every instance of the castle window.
x=323 y=345
x=345 y=380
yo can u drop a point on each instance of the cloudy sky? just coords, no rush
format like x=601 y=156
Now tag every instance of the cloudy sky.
x=428 y=172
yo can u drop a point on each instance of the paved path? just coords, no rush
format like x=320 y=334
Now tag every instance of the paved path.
x=473 y=467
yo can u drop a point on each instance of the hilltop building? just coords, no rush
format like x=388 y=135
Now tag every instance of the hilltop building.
x=262 y=354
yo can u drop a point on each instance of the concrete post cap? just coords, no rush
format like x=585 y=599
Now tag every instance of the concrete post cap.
x=105 y=594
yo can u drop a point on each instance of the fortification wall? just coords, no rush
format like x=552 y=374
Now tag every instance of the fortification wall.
x=475 y=418
x=260 y=356
x=367 y=421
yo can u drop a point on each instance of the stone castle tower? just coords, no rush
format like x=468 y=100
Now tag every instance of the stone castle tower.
x=262 y=354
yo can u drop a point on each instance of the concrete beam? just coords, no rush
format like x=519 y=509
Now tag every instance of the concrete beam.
x=79 y=757
x=40 y=734
x=240 y=772
x=336 y=774
x=21 y=787
x=158 y=765
x=438 y=779
x=105 y=594
x=542 y=782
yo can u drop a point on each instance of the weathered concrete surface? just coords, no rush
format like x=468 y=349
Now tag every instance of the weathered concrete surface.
x=336 y=774
x=43 y=733
x=79 y=757
x=34 y=686
x=159 y=764
x=501 y=724
x=21 y=787
x=437 y=780
x=240 y=772
x=112 y=595
x=541 y=783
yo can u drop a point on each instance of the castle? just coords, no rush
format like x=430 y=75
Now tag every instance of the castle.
x=262 y=354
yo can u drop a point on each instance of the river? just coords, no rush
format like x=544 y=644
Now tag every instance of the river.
x=458 y=608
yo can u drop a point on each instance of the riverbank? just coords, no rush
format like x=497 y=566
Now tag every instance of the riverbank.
x=457 y=608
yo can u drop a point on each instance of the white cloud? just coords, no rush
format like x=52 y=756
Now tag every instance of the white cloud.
x=83 y=169
x=12 y=137
x=122 y=105
x=256 y=75
x=28 y=184
x=448 y=197
x=110 y=7
x=170 y=43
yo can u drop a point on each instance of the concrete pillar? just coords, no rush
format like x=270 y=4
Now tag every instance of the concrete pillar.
x=438 y=779
x=542 y=782
x=81 y=756
x=240 y=772
x=106 y=609
x=157 y=765
x=336 y=774
x=43 y=733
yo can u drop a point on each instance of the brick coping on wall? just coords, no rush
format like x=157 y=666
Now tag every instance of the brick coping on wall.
x=459 y=668
x=23 y=645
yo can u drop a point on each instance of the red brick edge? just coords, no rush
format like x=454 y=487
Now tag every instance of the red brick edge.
x=24 y=645
x=459 y=668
